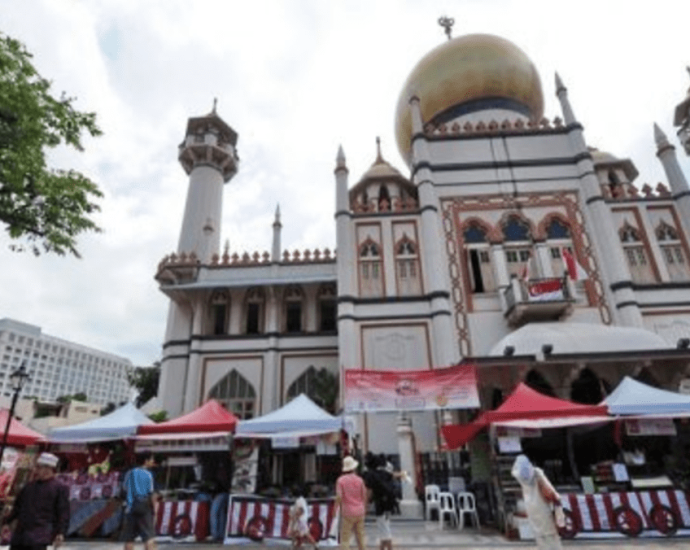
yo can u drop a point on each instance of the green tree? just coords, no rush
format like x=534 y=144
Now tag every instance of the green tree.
x=145 y=381
x=42 y=207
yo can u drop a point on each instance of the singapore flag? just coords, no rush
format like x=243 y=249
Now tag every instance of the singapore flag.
x=575 y=271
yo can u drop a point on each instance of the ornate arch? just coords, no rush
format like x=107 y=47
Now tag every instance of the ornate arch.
x=236 y=394
x=369 y=249
x=405 y=246
x=665 y=232
x=628 y=233
x=489 y=231
x=542 y=231
x=507 y=217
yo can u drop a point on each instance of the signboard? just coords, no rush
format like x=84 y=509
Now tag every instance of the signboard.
x=420 y=390
x=650 y=426
x=278 y=442
x=509 y=444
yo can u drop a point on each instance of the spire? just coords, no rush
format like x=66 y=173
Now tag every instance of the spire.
x=215 y=104
x=562 y=94
x=275 y=248
x=660 y=138
x=379 y=157
x=340 y=159
x=559 y=84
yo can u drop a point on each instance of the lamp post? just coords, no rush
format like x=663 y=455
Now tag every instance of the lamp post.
x=17 y=379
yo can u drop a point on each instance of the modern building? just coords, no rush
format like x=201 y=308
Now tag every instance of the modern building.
x=507 y=240
x=59 y=367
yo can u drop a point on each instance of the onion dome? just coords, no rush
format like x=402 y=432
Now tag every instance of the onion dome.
x=468 y=74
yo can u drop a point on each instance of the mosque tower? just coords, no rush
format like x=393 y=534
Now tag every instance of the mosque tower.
x=209 y=156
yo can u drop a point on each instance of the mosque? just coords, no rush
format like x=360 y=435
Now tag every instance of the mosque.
x=506 y=241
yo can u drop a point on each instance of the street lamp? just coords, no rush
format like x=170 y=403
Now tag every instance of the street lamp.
x=17 y=380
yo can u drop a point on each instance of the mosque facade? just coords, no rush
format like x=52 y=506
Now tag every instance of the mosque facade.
x=507 y=241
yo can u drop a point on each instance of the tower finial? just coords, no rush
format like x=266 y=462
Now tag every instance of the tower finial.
x=447 y=23
x=215 y=104
x=379 y=158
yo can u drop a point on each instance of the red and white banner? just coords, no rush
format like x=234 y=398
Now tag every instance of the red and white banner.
x=183 y=521
x=575 y=271
x=630 y=514
x=545 y=290
x=256 y=518
x=431 y=389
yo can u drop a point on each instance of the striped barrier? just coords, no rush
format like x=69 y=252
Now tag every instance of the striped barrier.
x=659 y=513
x=182 y=521
x=257 y=518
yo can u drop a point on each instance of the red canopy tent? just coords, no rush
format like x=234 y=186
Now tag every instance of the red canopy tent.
x=210 y=417
x=523 y=404
x=18 y=434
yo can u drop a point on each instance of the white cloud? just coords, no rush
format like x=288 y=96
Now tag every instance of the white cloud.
x=295 y=79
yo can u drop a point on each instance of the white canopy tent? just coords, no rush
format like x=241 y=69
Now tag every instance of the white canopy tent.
x=635 y=398
x=119 y=424
x=301 y=417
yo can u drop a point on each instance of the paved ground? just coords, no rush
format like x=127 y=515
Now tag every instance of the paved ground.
x=419 y=534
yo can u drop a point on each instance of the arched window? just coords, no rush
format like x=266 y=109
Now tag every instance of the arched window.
x=292 y=306
x=370 y=276
x=236 y=394
x=479 y=259
x=407 y=267
x=254 y=308
x=517 y=246
x=538 y=382
x=219 y=312
x=558 y=237
x=328 y=308
x=321 y=386
x=384 y=199
x=672 y=252
x=636 y=255
x=516 y=229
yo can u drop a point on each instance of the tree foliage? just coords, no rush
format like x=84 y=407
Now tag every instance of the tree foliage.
x=145 y=381
x=81 y=396
x=42 y=207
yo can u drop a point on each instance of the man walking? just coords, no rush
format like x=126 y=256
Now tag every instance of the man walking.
x=351 y=497
x=41 y=509
x=140 y=504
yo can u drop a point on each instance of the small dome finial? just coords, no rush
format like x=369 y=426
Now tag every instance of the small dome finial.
x=215 y=104
x=447 y=23
x=379 y=158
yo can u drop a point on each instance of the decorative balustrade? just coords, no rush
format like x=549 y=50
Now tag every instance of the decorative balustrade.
x=183 y=260
x=396 y=204
x=493 y=126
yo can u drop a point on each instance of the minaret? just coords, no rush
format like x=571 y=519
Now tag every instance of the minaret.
x=208 y=154
x=277 y=226
x=682 y=120
x=626 y=309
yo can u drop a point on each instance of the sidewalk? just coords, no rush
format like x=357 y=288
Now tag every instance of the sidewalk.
x=420 y=534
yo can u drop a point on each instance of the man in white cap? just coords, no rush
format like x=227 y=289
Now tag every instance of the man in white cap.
x=351 y=497
x=41 y=509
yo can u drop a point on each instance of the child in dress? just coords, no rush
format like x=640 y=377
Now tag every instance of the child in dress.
x=299 y=528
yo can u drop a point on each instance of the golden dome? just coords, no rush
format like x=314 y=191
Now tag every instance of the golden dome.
x=467 y=74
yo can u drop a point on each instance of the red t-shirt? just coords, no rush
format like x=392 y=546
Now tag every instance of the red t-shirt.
x=352 y=492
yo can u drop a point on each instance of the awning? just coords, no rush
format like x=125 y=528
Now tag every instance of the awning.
x=524 y=405
x=18 y=434
x=119 y=424
x=210 y=417
x=635 y=398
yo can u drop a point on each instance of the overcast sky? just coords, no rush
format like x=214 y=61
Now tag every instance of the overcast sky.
x=295 y=79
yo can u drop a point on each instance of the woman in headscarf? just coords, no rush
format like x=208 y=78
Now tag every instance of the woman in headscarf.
x=540 y=498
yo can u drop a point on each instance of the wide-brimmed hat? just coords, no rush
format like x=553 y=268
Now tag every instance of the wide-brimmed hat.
x=349 y=464
x=47 y=459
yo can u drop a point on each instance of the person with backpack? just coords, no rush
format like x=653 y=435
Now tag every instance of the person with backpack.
x=380 y=481
x=140 y=504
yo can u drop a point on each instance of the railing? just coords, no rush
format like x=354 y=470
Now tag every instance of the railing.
x=537 y=299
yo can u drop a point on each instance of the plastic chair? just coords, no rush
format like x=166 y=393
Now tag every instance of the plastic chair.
x=448 y=509
x=467 y=505
x=456 y=485
x=431 y=500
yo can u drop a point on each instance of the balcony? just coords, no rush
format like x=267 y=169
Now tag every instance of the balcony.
x=548 y=299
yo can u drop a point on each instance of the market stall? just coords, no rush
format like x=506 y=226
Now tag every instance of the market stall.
x=519 y=421
x=16 y=464
x=97 y=454
x=299 y=440
x=197 y=467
